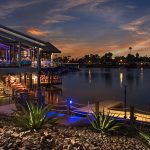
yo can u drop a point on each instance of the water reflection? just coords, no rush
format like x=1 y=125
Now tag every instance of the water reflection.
x=130 y=77
x=105 y=83
x=141 y=75
x=90 y=76
x=106 y=75
x=52 y=96
x=121 y=79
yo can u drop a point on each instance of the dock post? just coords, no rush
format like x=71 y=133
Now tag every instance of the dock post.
x=68 y=106
x=88 y=107
x=132 y=115
x=30 y=79
x=25 y=78
x=20 y=79
x=97 y=107
x=49 y=82
x=125 y=101
x=19 y=54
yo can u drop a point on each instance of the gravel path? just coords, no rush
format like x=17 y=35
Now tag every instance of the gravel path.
x=62 y=138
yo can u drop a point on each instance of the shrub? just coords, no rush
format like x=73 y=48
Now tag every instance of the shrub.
x=103 y=122
x=33 y=117
x=146 y=137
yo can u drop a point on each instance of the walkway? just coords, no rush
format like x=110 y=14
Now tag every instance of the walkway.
x=110 y=106
x=78 y=114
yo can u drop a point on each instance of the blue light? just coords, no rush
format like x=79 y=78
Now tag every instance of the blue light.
x=74 y=119
x=70 y=102
x=52 y=114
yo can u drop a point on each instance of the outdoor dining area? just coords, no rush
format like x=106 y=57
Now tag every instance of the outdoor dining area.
x=15 y=87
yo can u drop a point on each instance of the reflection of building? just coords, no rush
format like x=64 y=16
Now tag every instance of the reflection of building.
x=26 y=57
x=121 y=78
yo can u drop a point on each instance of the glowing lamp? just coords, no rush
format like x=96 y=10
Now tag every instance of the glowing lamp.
x=70 y=102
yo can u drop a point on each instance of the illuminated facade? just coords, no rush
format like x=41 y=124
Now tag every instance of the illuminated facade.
x=27 y=59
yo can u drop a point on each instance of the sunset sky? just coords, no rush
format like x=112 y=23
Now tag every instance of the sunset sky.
x=79 y=27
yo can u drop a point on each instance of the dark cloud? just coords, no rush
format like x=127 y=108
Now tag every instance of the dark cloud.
x=78 y=27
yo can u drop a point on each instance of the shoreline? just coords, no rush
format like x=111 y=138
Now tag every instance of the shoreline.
x=132 y=66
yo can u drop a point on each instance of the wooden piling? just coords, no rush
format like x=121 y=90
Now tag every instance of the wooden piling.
x=97 y=107
x=30 y=79
x=132 y=114
x=68 y=107
x=25 y=78
x=20 y=79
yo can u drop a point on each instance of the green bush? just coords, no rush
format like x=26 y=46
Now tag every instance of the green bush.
x=33 y=117
x=146 y=137
x=103 y=122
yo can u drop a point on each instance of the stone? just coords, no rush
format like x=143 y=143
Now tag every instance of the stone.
x=63 y=138
x=15 y=134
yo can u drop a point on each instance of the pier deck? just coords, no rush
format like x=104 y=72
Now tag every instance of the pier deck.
x=107 y=105
x=111 y=106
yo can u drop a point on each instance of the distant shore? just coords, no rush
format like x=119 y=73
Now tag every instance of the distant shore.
x=96 y=65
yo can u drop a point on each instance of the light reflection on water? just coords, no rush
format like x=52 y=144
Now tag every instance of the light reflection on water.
x=106 y=83
x=121 y=79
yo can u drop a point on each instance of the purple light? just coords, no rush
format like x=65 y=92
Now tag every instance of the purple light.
x=7 y=48
x=3 y=46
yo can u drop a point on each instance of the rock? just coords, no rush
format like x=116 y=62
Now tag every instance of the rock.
x=15 y=134
x=46 y=133
x=63 y=138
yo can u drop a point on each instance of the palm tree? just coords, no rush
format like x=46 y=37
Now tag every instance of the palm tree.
x=130 y=49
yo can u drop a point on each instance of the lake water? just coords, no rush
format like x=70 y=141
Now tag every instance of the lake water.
x=92 y=84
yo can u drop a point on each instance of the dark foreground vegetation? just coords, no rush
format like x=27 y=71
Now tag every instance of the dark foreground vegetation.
x=29 y=128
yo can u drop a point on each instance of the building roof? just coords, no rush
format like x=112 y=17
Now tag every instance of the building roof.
x=10 y=36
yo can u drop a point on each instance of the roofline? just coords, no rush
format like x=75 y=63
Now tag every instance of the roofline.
x=21 y=35
x=28 y=38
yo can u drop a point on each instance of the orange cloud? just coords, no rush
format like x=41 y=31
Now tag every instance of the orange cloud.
x=36 y=32
x=76 y=49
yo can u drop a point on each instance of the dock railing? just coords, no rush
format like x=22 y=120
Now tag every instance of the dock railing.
x=132 y=114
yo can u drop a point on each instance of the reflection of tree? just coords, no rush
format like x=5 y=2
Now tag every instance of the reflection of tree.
x=137 y=77
x=130 y=78
x=91 y=75
x=107 y=76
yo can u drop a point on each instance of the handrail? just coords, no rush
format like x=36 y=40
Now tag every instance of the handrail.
x=59 y=105
x=75 y=108
x=80 y=104
x=142 y=116
x=142 y=111
x=58 y=110
x=76 y=112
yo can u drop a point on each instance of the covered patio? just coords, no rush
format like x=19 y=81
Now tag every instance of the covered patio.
x=23 y=58
x=18 y=49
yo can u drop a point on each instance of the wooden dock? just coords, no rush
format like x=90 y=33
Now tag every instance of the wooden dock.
x=112 y=107
x=106 y=104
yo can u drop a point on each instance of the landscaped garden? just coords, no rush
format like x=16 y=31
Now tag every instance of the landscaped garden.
x=30 y=128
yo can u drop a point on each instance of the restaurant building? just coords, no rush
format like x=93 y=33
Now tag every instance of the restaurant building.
x=26 y=61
